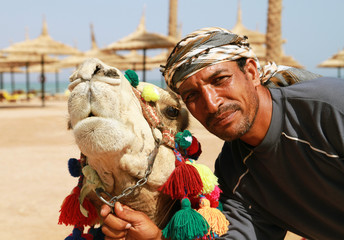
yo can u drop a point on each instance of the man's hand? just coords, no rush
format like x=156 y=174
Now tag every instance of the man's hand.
x=128 y=224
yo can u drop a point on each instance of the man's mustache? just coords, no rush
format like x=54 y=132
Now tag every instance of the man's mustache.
x=231 y=107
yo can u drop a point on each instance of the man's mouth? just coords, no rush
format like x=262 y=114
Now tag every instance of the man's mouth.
x=223 y=117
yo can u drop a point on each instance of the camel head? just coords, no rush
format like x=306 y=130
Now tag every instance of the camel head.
x=107 y=118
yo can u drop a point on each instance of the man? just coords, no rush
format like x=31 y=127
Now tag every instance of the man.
x=281 y=167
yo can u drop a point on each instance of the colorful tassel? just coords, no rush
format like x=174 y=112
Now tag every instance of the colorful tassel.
x=217 y=221
x=150 y=93
x=70 y=211
x=194 y=150
x=74 y=167
x=132 y=77
x=184 y=181
x=209 y=180
x=220 y=206
x=186 y=224
x=96 y=233
x=78 y=234
x=184 y=139
x=214 y=197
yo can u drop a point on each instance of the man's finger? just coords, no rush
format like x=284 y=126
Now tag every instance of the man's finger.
x=113 y=234
x=105 y=210
x=116 y=223
x=126 y=213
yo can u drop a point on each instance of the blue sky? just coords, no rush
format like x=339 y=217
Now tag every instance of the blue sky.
x=313 y=29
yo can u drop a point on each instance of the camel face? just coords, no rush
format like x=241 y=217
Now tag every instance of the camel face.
x=109 y=128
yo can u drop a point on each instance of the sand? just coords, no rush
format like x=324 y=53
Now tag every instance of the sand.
x=35 y=146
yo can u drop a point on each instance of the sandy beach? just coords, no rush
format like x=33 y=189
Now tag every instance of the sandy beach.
x=35 y=146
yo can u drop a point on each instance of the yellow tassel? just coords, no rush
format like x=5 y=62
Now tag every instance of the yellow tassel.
x=209 y=180
x=217 y=221
x=150 y=93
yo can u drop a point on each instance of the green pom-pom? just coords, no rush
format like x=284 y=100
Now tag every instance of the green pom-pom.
x=150 y=93
x=186 y=224
x=184 y=139
x=132 y=77
x=220 y=206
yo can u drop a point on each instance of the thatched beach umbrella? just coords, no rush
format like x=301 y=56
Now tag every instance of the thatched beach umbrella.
x=24 y=60
x=333 y=63
x=94 y=52
x=258 y=43
x=43 y=45
x=141 y=39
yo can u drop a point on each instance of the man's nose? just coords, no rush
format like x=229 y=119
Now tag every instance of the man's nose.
x=211 y=98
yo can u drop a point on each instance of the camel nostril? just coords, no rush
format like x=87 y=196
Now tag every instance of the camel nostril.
x=98 y=68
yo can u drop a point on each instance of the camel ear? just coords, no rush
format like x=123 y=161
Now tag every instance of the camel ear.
x=185 y=121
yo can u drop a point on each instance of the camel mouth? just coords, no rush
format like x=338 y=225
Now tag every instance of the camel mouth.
x=91 y=114
x=93 y=136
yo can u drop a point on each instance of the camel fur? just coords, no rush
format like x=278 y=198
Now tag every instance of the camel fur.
x=110 y=130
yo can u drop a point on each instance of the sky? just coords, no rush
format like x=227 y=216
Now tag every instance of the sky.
x=313 y=30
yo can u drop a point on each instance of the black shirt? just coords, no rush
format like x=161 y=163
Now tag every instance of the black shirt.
x=295 y=178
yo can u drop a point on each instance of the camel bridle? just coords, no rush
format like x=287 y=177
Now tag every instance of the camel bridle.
x=151 y=116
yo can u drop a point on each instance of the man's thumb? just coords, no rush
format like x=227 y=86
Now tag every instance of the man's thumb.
x=126 y=213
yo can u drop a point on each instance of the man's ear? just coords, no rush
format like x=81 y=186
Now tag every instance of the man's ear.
x=252 y=71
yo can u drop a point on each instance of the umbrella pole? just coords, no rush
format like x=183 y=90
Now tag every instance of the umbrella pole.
x=144 y=65
x=1 y=80
x=57 y=86
x=338 y=72
x=27 y=81
x=12 y=80
x=43 y=81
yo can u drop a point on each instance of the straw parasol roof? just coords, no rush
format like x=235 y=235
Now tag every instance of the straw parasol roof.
x=42 y=46
x=141 y=39
x=255 y=37
x=257 y=42
x=336 y=61
x=94 y=52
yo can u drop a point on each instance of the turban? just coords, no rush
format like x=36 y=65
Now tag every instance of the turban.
x=209 y=46
x=202 y=48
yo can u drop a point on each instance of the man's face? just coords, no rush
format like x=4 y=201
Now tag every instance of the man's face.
x=223 y=98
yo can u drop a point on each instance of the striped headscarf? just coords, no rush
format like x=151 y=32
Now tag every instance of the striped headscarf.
x=202 y=48
x=209 y=46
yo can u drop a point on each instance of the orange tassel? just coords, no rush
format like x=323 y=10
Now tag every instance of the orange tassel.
x=217 y=221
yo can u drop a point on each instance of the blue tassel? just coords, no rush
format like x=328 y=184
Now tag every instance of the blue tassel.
x=74 y=167
x=78 y=234
x=97 y=233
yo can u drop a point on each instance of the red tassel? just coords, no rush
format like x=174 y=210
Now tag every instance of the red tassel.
x=183 y=182
x=194 y=150
x=70 y=211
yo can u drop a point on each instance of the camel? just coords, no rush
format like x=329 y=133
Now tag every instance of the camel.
x=107 y=118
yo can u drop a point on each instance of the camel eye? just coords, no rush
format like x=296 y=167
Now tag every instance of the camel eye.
x=171 y=112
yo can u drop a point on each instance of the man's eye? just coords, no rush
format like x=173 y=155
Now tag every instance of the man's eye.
x=220 y=80
x=189 y=97
x=171 y=112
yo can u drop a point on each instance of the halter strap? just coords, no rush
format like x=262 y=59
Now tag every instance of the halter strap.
x=151 y=116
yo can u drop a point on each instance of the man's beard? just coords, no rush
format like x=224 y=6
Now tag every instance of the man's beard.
x=239 y=129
